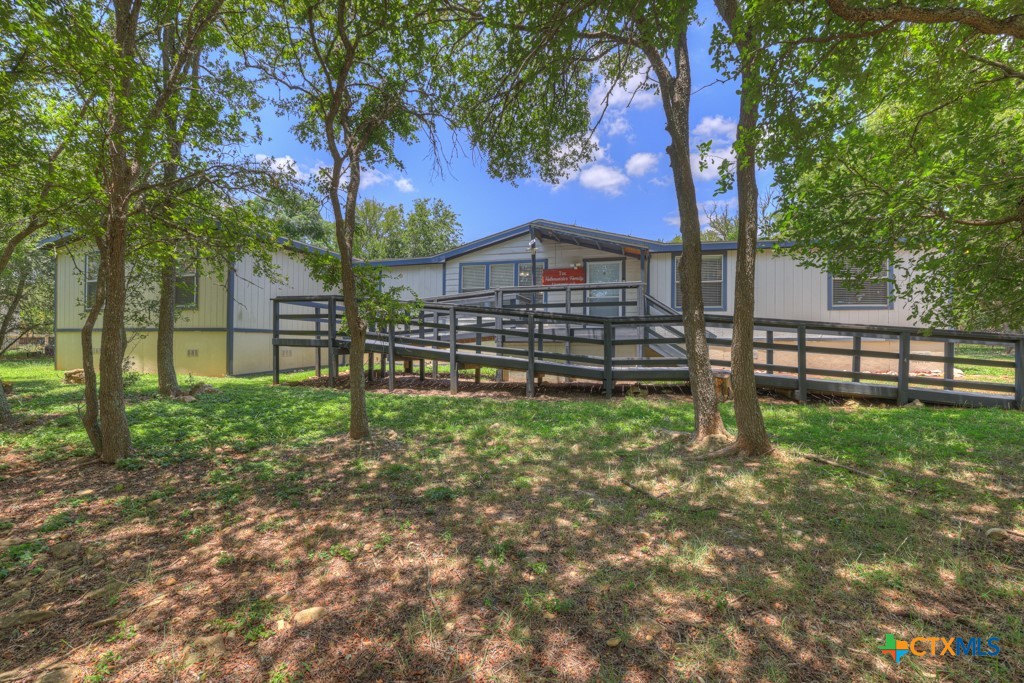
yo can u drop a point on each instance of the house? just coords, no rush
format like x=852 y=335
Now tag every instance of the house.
x=224 y=326
x=572 y=254
x=226 y=321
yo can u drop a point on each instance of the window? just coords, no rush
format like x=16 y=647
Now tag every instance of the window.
x=186 y=289
x=474 y=277
x=712 y=281
x=500 y=275
x=91 y=277
x=873 y=291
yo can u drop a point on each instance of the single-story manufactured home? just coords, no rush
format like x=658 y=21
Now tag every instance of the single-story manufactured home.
x=225 y=327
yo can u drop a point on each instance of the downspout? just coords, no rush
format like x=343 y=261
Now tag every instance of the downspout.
x=231 y=322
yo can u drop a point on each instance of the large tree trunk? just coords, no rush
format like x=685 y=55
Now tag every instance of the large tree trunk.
x=117 y=440
x=752 y=438
x=91 y=414
x=675 y=96
x=344 y=228
x=167 y=375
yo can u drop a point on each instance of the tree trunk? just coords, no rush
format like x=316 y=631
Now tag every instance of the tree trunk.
x=344 y=228
x=675 y=96
x=12 y=309
x=117 y=439
x=752 y=437
x=91 y=414
x=6 y=414
x=167 y=375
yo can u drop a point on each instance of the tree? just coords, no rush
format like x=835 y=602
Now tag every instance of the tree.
x=359 y=77
x=722 y=224
x=992 y=17
x=530 y=115
x=290 y=212
x=26 y=296
x=900 y=145
x=752 y=437
x=386 y=232
x=134 y=106
x=195 y=199
x=41 y=46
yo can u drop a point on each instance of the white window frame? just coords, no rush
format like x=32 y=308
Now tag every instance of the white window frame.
x=677 y=293
x=884 y=275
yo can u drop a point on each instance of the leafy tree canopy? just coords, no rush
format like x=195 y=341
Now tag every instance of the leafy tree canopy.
x=384 y=232
x=903 y=143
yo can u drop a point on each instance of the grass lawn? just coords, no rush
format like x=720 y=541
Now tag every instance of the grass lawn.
x=501 y=539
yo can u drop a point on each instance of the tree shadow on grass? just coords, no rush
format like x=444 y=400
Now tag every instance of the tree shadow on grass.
x=500 y=540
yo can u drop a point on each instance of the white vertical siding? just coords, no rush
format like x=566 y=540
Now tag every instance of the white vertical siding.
x=253 y=309
x=424 y=280
x=785 y=289
x=70 y=293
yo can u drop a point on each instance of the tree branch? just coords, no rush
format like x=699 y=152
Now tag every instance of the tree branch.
x=1012 y=26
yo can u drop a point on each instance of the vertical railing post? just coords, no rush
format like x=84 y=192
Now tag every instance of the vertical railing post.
x=770 y=353
x=453 y=365
x=391 y=356
x=855 y=367
x=903 y=371
x=948 y=371
x=609 y=351
x=318 y=369
x=801 y=363
x=479 y=335
x=277 y=335
x=531 y=343
x=1018 y=373
x=568 y=299
x=332 y=337
x=437 y=331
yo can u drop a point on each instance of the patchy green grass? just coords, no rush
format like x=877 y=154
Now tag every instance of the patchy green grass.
x=986 y=373
x=508 y=539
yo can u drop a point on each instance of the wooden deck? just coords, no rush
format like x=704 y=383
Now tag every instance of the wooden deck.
x=644 y=342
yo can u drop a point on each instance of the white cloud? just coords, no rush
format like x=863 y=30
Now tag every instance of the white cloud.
x=641 y=164
x=287 y=165
x=716 y=128
x=713 y=160
x=672 y=220
x=404 y=185
x=611 y=101
x=603 y=178
x=370 y=177
x=635 y=93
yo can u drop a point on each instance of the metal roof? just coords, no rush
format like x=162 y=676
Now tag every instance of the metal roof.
x=570 y=234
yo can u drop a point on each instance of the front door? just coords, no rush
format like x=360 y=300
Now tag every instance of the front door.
x=600 y=272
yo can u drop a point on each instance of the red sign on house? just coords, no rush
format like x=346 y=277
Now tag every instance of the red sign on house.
x=563 y=276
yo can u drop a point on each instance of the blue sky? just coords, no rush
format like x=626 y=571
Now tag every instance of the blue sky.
x=626 y=189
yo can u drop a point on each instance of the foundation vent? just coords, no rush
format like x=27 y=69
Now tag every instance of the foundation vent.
x=193 y=353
